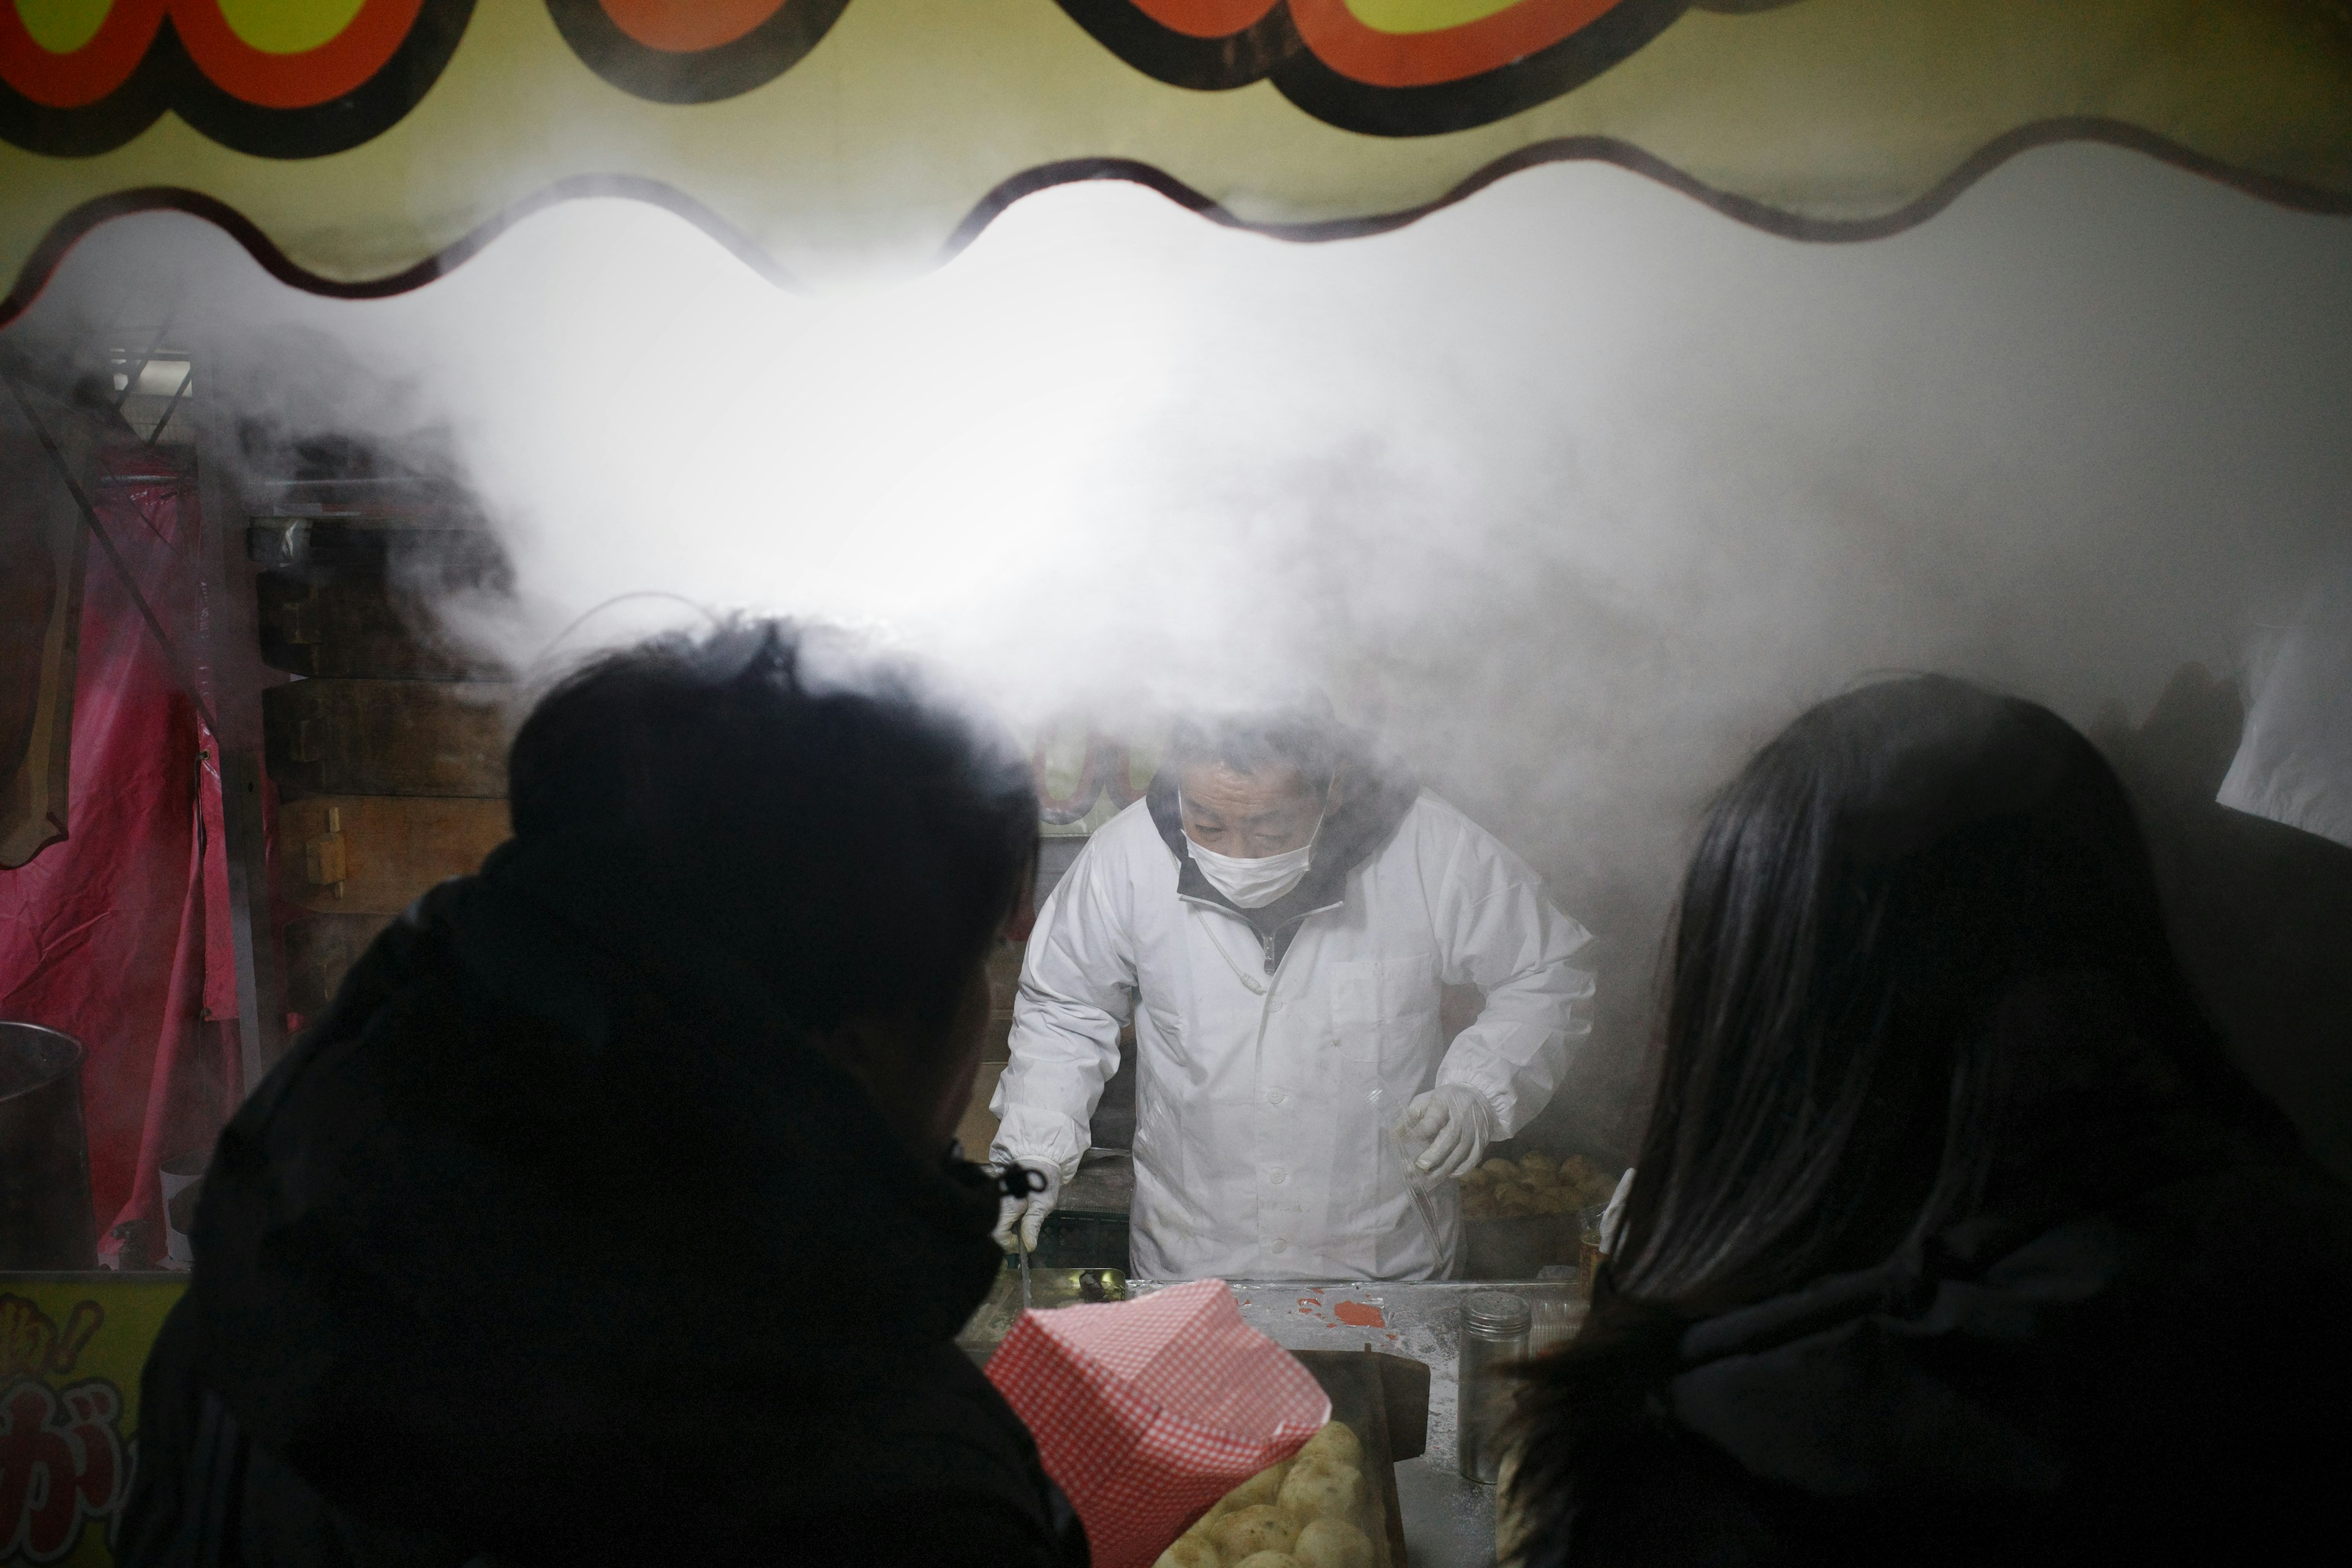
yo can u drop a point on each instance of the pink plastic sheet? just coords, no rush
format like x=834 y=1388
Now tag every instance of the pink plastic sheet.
x=118 y=934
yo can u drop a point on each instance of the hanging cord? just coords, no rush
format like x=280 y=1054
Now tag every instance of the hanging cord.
x=114 y=557
x=544 y=665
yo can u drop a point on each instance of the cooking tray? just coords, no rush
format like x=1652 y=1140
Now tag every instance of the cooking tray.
x=993 y=1318
x=1385 y=1399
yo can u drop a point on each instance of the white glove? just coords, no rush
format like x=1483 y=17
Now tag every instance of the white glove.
x=1458 y=1123
x=1031 y=1211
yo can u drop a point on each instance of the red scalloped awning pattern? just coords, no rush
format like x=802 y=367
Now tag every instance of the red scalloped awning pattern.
x=267 y=81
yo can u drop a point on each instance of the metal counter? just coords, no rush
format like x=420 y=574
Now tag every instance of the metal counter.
x=1449 y=1522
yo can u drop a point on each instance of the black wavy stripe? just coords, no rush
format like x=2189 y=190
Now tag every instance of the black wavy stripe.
x=1272 y=47
x=1207 y=65
x=100 y=127
x=67 y=231
x=701 y=76
x=167 y=79
x=341 y=124
x=1481 y=99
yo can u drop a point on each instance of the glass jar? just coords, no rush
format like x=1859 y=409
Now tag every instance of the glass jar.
x=1494 y=1325
x=1588 y=1252
x=1554 y=1324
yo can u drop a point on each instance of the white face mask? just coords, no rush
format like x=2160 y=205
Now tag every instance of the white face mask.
x=1254 y=884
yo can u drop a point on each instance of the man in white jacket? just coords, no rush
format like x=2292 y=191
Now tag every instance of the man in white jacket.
x=1279 y=916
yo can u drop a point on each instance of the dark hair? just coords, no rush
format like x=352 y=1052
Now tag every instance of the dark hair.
x=1874 y=902
x=1301 y=735
x=856 y=839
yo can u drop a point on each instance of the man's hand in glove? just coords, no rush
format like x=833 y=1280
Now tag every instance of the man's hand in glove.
x=1458 y=1123
x=1029 y=1213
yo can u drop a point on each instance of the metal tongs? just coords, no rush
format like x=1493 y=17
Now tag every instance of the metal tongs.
x=1020 y=1182
x=1400 y=1140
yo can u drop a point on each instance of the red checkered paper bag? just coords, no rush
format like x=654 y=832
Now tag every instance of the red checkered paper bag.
x=1146 y=1412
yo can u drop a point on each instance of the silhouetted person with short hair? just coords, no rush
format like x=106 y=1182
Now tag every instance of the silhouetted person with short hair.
x=610 y=1214
x=1955 y=1238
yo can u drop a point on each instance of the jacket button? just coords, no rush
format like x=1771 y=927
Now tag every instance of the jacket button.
x=1278 y=1175
x=1277 y=1245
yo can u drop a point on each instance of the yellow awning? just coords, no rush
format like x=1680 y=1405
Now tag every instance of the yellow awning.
x=361 y=146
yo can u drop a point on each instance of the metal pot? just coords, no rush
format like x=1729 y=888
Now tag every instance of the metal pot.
x=44 y=1215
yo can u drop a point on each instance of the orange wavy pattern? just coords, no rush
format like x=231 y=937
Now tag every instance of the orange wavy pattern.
x=1451 y=54
x=91 y=71
x=266 y=80
x=1375 y=58
x=683 y=26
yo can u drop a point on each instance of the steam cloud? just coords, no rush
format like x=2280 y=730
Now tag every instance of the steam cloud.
x=1575 y=491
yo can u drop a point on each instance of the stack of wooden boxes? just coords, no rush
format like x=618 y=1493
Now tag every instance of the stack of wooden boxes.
x=389 y=752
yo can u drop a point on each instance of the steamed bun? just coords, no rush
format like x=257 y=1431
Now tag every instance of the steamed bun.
x=1264 y=1486
x=1333 y=1544
x=1261 y=1526
x=1189 y=1551
x=1324 y=1491
x=1337 y=1442
x=1268 y=1559
x=1208 y=1521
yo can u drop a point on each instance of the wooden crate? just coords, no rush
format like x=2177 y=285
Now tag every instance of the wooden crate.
x=319 y=951
x=356 y=627
x=389 y=737
x=374 y=854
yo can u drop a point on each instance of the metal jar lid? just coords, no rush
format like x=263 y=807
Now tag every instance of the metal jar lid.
x=1497 y=1313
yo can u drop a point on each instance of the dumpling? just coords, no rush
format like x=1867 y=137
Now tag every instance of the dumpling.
x=1264 y=1486
x=1189 y=1551
x=1268 y=1559
x=1333 y=1544
x=1261 y=1526
x=1324 y=1491
x=1207 y=1522
x=1337 y=1442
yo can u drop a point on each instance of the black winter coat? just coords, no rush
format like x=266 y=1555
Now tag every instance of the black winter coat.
x=2163 y=1379
x=554 y=1243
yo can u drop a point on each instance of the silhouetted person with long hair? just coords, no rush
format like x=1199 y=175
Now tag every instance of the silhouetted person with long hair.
x=1955 y=1238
